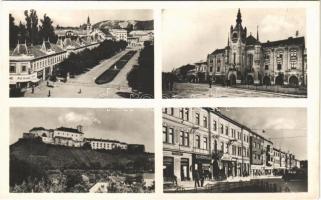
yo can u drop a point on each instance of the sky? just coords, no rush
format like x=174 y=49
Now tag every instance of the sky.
x=285 y=127
x=117 y=124
x=78 y=17
x=194 y=33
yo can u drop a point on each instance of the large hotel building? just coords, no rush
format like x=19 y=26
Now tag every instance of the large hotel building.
x=205 y=139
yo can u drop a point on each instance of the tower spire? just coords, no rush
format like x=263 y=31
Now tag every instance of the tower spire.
x=239 y=17
x=257 y=33
x=88 y=20
x=228 y=40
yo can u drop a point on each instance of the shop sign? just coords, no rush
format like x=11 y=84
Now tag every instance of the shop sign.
x=22 y=78
x=205 y=158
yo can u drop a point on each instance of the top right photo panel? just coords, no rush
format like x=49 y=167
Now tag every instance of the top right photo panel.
x=234 y=52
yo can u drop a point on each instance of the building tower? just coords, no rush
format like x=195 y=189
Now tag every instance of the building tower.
x=237 y=44
x=88 y=28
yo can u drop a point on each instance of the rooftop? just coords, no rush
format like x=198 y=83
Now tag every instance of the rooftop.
x=72 y=130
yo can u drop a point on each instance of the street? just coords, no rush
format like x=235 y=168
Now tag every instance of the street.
x=194 y=90
x=84 y=85
x=241 y=185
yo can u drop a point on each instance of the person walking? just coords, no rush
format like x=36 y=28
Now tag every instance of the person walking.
x=49 y=94
x=210 y=82
x=196 y=179
x=202 y=177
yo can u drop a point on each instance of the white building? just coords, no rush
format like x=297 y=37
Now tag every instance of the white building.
x=119 y=34
x=105 y=144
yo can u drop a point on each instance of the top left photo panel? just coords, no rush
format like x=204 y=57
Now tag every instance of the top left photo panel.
x=81 y=53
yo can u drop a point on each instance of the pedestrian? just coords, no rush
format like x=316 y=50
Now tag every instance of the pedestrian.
x=196 y=179
x=47 y=83
x=32 y=89
x=79 y=91
x=202 y=177
x=210 y=82
x=49 y=94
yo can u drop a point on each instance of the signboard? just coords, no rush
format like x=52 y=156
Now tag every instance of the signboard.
x=22 y=78
x=177 y=153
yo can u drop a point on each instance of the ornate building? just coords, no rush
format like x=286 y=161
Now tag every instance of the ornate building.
x=246 y=60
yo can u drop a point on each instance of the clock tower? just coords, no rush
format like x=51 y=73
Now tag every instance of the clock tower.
x=237 y=44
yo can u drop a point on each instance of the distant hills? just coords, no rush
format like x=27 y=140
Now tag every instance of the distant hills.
x=125 y=24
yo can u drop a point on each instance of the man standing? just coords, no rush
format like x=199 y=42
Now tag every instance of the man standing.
x=196 y=179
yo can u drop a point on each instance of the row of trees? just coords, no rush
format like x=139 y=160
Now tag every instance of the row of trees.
x=31 y=31
x=79 y=63
x=141 y=77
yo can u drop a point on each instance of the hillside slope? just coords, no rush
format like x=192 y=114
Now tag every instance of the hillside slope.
x=60 y=157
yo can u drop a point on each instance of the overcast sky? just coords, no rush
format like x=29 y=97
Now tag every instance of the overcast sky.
x=285 y=127
x=77 y=17
x=119 y=124
x=189 y=35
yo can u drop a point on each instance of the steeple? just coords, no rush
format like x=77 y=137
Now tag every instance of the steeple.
x=257 y=33
x=88 y=20
x=239 y=17
x=228 y=40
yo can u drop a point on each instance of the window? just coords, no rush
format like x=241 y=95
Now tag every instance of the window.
x=293 y=54
x=218 y=69
x=266 y=67
x=214 y=125
x=181 y=113
x=222 y=129
x=170 y=136
x=184 y=139
x=198 y=142
x=233 y=150
x=205 y=143
x=234 y=58
x=172 y=111
x=233 y=133
x=226 y=130
x=165 y=110
x=279 y=66
x=222 y=147
x=164 y=134
x=205 y=121
x=186 y=113
x=293 y=65
x=12 y=69
x=23 y=68
x=197 y=118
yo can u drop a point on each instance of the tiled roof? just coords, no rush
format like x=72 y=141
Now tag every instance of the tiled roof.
x=37 y=129
x=37 y=50
x=72 y=130
x=250 y=40
x=289 y=41
x=218 y=51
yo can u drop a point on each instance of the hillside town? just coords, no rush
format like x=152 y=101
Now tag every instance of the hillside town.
x=246 y=64
x=203 y=144
x=41 y=63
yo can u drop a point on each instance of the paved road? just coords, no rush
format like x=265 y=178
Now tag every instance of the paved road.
x=192 y=90
x=86 y=82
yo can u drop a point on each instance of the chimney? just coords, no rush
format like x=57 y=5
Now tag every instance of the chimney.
x=296 y=33
x=79 y=128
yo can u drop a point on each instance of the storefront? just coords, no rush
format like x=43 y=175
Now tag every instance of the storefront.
x=257 y=170
x=168 y=168
x=229 y=166
x=202 y=163
x=185 y=169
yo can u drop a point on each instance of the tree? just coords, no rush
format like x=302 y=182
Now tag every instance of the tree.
x=47 y=30
x=32 y=27
x=13 y=32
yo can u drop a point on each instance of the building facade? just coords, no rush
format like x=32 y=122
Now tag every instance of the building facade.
x=246 y=60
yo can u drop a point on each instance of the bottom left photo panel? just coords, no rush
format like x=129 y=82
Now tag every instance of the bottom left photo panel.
x=80 y=150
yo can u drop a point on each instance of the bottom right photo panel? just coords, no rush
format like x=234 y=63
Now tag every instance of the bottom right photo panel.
x=235 y=149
